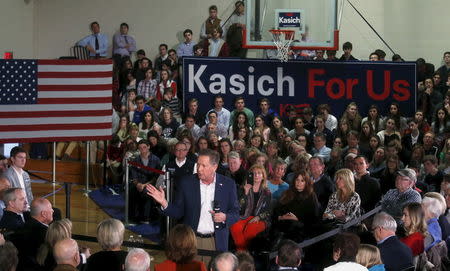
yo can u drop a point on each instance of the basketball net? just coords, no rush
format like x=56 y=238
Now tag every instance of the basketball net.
x=283 y=40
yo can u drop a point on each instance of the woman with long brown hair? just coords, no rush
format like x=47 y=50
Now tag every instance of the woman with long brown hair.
x=415 y=227
x=298 y=209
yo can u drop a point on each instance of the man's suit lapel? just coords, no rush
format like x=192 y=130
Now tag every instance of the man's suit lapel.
x=218 y=189
x=15 y=178
x=197 y=199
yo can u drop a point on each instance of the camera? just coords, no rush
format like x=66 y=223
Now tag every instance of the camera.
x=250 y=178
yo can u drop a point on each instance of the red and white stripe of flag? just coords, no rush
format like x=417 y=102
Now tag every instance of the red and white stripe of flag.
x=74 y=103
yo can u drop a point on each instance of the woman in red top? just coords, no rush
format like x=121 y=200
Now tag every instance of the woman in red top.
x=414 y=222
x=166 y=82
x=181 y=249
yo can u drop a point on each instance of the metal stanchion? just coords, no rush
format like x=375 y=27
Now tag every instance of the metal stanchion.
x=54 y=164
x=168 y=198
x=67 y=188
x=54 y=173
x=87 y=190
x=105 y=144
x=127 y=190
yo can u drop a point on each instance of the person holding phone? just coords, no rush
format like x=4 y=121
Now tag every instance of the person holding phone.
x=255 y=208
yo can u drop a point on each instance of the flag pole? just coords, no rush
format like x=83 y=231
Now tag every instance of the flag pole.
x=127 y=191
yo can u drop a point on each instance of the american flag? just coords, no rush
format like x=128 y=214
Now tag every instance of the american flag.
x=55 y=100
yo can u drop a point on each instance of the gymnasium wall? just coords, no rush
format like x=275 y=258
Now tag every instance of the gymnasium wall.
x=47 y=28
x=16 y=31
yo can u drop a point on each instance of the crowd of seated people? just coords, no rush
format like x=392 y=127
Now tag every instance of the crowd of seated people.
x=309 y=167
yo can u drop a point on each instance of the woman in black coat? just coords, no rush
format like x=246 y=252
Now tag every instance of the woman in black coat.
x=298 y=209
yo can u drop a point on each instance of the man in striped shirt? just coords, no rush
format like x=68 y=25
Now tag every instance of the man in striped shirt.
x=172 y=102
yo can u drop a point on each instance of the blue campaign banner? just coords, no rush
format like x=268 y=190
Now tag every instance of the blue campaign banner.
x=289 y=19
x=301 y=83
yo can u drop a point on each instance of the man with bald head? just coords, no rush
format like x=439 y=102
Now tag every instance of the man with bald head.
x=32 y=236
x=66 y=255
x=137 y=260
x=225 y=261
x=4 y=185
x=15 y=213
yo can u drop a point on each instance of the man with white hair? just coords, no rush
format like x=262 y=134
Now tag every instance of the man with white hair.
x=395 y=199
x=66 y=255
x=394 y=254
x=137 y=260
x=226 y=261
x=15 y=213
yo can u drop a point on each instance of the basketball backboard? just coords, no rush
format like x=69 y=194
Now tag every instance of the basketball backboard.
x=314 y=23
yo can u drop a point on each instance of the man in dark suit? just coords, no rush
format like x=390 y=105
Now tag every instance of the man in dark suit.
x=15 y=213
x=235 y=170
x=140 y=204
x=323 y=186
x=410 y=139
x=368 y=188
x=394 y=254
x=195 y=199
x=32 y=235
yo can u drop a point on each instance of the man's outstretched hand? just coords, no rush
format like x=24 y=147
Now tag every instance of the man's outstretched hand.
x=158 y=195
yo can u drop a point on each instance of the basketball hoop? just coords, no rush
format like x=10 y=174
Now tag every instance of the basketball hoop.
x=282 y=39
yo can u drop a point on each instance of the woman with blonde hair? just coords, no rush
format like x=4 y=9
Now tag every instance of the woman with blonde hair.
x=415 y=227
x=369 y=256
x=58 y=230
x=181 y=249
x=344 y=204
x=255 y=208
x=110 y=237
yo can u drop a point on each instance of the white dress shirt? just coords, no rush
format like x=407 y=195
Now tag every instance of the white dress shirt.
x=207 y=192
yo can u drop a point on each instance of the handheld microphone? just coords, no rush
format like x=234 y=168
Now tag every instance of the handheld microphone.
x=216 y=209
